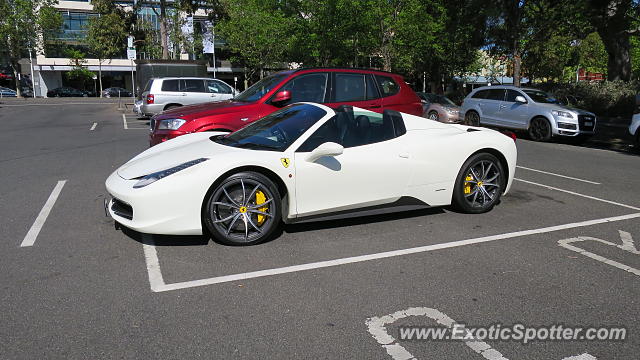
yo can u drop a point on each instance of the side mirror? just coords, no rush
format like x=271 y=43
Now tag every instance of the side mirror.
x=281 y=97
x=325 y=149
x=521 y=99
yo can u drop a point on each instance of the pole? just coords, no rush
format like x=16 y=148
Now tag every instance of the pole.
x=213 y=36
x=33 y=81
x=133 y=81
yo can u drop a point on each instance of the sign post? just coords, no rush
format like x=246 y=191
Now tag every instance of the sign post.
x=131 y=55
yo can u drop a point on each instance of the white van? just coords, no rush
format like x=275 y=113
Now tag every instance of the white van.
x=165 y=93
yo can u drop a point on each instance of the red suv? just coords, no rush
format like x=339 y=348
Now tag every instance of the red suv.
x=368 y=89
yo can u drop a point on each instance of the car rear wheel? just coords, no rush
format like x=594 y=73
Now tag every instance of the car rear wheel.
x=168 y=107
x=540 y=129
x=244 y=209
x=433 y=115
x=479 y=184
x=472 y=118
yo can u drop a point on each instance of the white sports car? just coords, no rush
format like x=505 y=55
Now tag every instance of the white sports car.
x=308 y=161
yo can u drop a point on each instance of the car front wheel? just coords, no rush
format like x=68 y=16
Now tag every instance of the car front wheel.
x=244 y=209
x=540 y=129
x=472 y=119
x=479 y=184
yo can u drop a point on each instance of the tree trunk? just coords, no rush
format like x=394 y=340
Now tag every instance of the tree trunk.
x=517 y=64
x=619 y=62
x=16 y=81
x=164 y=43
x=100 y=75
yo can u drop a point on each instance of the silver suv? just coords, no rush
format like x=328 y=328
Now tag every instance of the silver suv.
x=526 y=109
x=165 y=93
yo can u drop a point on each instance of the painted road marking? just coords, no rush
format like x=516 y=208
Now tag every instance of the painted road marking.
x=627 y=245
x=93 y=127
x=33 y=232
x=158 y=285
x=559 y=175
x=578 y=194
x=377 y=328
x=124 y=122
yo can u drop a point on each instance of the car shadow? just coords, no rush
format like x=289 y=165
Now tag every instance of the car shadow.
x=202 y=240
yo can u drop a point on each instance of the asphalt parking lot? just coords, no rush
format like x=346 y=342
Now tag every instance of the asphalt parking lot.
x=559 y=249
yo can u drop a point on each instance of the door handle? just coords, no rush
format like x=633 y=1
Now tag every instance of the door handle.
x=404 y=155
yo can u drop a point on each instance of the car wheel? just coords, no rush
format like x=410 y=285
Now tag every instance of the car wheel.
x=479 y=184
x=540 y=129
x=244 y=209
x=472 y=118
x=433 y=115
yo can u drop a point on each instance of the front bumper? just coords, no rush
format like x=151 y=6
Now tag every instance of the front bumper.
x=584 y=125
x=159 y=208
x=159 y=136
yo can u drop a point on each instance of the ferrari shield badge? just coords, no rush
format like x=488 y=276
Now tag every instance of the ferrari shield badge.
x=285 y=162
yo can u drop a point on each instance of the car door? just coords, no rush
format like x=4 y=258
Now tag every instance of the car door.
x=490 y=106
x=194 y=91
x=218 y=90
x=372 y=170
x=513 y=114
x=170 y=93
x=355 y=89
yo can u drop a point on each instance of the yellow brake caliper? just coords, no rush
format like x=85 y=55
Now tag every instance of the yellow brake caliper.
x=260 y=199
x=467 y=185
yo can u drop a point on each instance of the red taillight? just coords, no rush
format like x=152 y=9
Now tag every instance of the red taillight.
x=510 y=134
x=150 y=99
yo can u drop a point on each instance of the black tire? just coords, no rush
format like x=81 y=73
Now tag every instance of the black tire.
x=433 y=115
x=472 y=118
x=169 y=107
x=474 y=196
x=232 y=209
x=540 y=129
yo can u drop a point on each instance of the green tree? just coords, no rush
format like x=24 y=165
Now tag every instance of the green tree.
x=20 y=21
x=257 y=30
x=107 y=33
x=592 y=55
x=79 y=71
x=616 y=22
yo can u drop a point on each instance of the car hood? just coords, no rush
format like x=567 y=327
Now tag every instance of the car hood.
x=191 y=112
x=173 y=153
x=565 y=107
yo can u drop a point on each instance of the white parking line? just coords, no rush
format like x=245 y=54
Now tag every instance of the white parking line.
x=578 y=194
x=93 y=127
x=158 y=285
x=31 y=236
x=627 y=245
x=124 y=122
x=559 y=175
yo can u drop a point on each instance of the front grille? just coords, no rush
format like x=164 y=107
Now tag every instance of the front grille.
x=582 y=119
x=121 y=208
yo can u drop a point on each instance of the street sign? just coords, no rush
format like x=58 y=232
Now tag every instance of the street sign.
x=130 y=41
x=131 y=54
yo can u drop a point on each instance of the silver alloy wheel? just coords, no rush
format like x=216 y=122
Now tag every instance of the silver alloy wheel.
x=472 y=119
x=482 y=183
x=242 y=209
x=433 y=116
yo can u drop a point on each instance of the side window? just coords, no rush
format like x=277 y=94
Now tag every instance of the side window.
x=496 y=94
x=354 y=128
x=372 y=90
x=482 y=94
x=218 y=87
x=350 y=87
x=387 y=85
x=308 y=87
x=170 y=85
x=511 y=95
x=192 y=85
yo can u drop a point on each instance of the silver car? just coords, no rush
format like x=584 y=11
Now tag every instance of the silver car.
x=526 y=109
x=166 y=93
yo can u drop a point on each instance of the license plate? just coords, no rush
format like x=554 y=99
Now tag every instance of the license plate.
x=588 y=123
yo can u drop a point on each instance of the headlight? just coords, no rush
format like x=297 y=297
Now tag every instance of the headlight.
x=170 y=124
x=151 y=178
x=562 y=114
x=452 y=111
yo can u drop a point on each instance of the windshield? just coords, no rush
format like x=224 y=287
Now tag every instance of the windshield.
x=541 y=97
x=257 y=90
x=439 y=99
x=275 y=132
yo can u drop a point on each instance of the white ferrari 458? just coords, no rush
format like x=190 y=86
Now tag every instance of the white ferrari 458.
x=307 y=162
